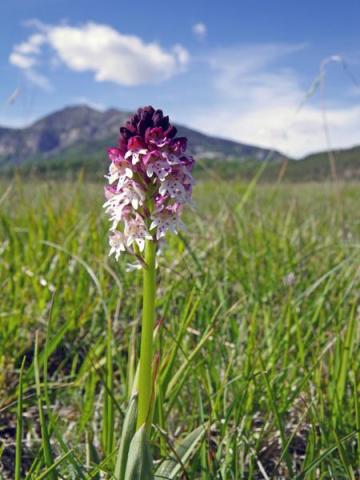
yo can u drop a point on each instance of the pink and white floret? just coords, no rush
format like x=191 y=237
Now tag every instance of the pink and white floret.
x=149 y=182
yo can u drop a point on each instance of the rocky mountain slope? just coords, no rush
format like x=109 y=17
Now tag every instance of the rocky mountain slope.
x=81 y=130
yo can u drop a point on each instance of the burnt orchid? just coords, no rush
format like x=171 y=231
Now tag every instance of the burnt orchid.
x=149 y=182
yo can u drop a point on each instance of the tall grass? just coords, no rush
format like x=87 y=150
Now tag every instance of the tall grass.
x=257 y=324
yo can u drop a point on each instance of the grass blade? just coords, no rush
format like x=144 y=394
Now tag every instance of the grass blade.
x=19 y=425
x=45 y=438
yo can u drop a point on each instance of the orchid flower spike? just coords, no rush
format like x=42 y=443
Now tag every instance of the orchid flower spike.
x=149 y=182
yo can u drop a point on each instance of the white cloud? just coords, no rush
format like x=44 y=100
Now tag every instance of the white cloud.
x=109 y=54
x=267 y=126
x=22 y=61
x=200 y=30
x=88 y=102
x=182 y=54
x=255 y=102
x=24 y=55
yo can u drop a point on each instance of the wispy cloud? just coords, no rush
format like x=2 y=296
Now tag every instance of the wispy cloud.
x=98 y=48
x=25 y=56
x=256 y=100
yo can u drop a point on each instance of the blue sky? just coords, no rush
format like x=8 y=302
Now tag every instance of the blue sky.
x=237 y=69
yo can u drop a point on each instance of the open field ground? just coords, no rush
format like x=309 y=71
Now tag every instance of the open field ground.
x=259 y=309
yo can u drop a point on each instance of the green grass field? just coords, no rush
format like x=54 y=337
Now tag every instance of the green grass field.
x=259 y=310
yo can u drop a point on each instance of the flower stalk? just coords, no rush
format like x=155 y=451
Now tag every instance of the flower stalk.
x=145 y=385
x=149 y=184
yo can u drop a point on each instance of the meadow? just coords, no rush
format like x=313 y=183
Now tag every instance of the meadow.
x=258 y=309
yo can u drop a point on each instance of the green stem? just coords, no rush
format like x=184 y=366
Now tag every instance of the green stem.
x=145 y=384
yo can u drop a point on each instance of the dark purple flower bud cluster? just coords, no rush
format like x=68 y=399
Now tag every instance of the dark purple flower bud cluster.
x=142 y=125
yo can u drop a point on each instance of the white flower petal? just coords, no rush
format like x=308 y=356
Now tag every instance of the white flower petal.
x=154 y=224
x=135 y=203
x=162 y=189
x=132 y=267
x=141 y=244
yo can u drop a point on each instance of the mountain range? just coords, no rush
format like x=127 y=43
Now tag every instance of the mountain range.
x=81 y=129
x=76 y=137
